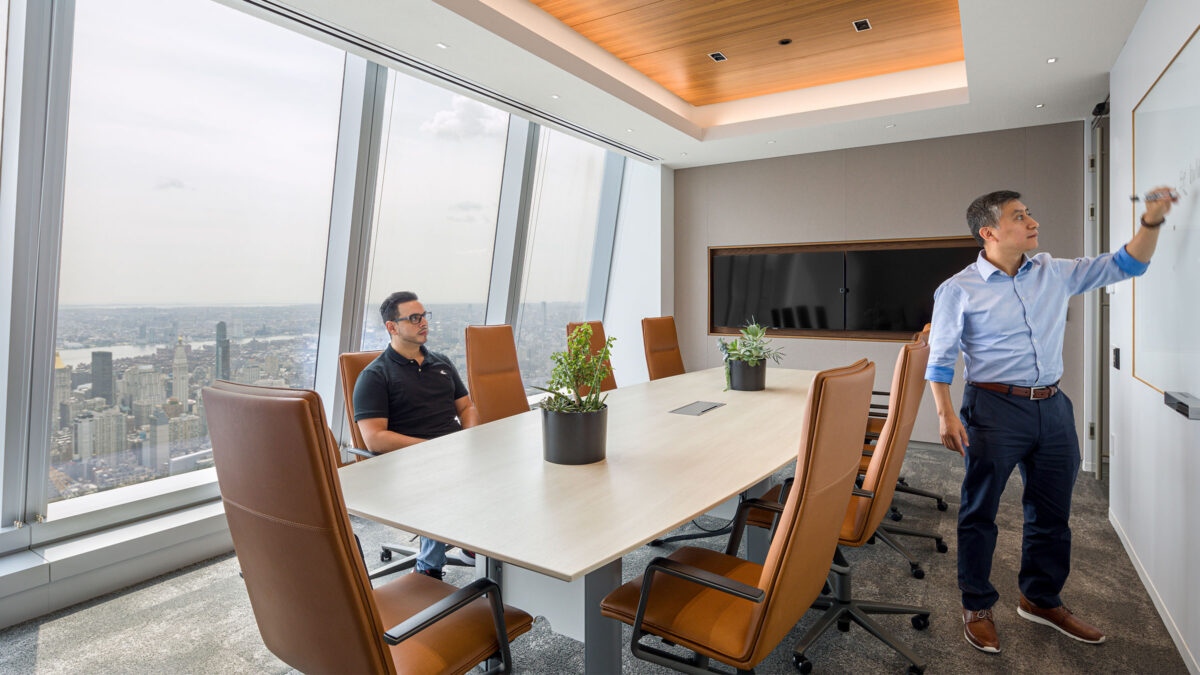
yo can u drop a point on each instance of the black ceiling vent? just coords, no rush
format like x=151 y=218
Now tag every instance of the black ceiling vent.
x=718 y=57
x=861 y=25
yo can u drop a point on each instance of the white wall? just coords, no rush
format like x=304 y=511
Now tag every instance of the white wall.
x=641 y=282
x=1154 y=503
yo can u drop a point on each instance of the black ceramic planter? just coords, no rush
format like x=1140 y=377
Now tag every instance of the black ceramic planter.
x=744 y=377
x=574 y=438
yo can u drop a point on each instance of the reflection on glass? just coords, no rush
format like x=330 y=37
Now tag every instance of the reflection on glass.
x=200 y=166
x=441 y=163
x=564 y=210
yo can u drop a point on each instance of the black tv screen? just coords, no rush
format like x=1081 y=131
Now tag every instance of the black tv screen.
x=778 y=290
x=893 y=289
x=877 y=290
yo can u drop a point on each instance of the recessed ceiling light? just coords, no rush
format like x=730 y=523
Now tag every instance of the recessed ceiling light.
x=441 y=45
x=554 y=96
x=890 y=125
x=785 y=41
x=862 y=24
x=1052 y=59
x=1040 y=105
x=629 y=130
x=718 y=57
x=770 y=142
x=683 y=154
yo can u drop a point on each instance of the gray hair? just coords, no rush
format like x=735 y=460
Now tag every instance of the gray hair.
x=985 y=211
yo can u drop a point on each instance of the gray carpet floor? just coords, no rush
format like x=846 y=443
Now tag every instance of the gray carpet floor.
x=198 y=619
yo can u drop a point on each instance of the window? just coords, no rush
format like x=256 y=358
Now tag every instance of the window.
x=199 y=171
x=440 y=166
x=564 y=211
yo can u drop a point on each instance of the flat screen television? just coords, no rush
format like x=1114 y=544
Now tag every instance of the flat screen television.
x=856 y=289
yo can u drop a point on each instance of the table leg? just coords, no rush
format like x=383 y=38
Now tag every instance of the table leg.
x=602 y=635
x=758 y=540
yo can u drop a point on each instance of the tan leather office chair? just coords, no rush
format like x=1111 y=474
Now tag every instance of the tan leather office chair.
x=597 y=343
x=733 y=611
x=314 y=606
x=867 y=510
x=350 y=366
x=902 y=484
x=493 y=374
x=662 y=347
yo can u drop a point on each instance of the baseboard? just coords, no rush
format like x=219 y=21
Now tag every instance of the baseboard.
x=43 y=580
x=1189 y=659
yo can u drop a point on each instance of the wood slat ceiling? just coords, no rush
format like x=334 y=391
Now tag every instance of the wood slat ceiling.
x=669 y=40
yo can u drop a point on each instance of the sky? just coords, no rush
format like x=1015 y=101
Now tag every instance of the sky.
x=200 y=167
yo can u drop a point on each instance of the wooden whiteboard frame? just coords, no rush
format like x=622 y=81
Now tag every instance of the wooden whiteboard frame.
x=1133 y=220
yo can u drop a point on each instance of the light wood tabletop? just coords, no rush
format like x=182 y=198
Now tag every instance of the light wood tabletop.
x=488 y=490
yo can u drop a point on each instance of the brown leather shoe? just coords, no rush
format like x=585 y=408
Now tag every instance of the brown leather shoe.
x=1062 y=619
x=980 y=630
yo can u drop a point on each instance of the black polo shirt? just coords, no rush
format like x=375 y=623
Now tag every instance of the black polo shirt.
x=417 y=400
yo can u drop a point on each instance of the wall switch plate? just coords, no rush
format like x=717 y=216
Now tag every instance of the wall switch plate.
x=1117 y=358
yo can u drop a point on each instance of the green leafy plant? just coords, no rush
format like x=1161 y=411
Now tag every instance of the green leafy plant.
x=752 y=346
x=574 y=384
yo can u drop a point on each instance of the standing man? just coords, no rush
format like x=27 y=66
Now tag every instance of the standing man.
x=409 y=394
x=1007 y=313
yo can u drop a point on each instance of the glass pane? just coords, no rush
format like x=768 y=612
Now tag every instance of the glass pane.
x=441 y=163
x=564 y=211
x=199 y=176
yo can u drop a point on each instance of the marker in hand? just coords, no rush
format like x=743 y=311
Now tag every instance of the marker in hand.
x=1155 y=196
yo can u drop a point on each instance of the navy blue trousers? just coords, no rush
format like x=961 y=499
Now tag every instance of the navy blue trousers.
x=1039 y=438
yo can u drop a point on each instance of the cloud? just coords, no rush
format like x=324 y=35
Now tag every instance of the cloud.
x=171 y=184
x=466 y=119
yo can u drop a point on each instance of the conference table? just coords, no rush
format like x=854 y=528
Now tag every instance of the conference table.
x=553 y=535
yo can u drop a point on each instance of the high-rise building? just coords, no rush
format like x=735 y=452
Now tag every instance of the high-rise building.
x=180 y=374
x=143 y=384
x=102 y=376
x=156 y=451
x=62 y=388
x=222 y=371
x=110 y=435
x=84 y=432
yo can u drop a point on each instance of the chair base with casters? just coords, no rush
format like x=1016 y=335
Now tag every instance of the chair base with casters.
x=902 y=486
x=841 y=609
x=884 y=533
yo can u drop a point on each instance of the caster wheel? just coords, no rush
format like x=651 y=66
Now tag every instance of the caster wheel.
x=656 y=542
x=802 y=664
x=896 y=516
x=844 y=626
x=916 y=670
x=901 y=481
x=917 y=572
x=920 y=622
x=942 y=547
x=385 y=555
x=826 y=590
x=942 y=506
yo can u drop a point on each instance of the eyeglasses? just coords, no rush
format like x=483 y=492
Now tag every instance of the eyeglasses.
x=415 y=319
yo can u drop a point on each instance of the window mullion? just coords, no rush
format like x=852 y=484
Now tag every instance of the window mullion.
x=512 y=222
x=346 y=262
x=49 y=31
x=606 y=234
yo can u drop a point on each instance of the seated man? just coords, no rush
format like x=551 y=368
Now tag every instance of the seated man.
x=409 y=394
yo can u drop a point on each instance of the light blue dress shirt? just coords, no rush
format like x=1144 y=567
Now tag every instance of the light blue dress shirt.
x=1010 y=329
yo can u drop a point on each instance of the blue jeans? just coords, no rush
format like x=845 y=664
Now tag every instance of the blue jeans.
x=432 y=555
x=1039 y=438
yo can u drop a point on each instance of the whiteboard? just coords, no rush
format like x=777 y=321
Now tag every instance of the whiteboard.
x=1166 y=299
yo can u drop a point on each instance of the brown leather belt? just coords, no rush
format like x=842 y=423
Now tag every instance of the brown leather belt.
x=1032 y=393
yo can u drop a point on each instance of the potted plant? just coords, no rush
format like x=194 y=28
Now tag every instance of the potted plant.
x=575 y=415
x=746 y=358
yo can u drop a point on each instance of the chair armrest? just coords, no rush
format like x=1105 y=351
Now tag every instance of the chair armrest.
x=859 y=492
x=881 y=393
x=361 y=452
x=447 y=606
x=700 y=576
x=743 y=514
